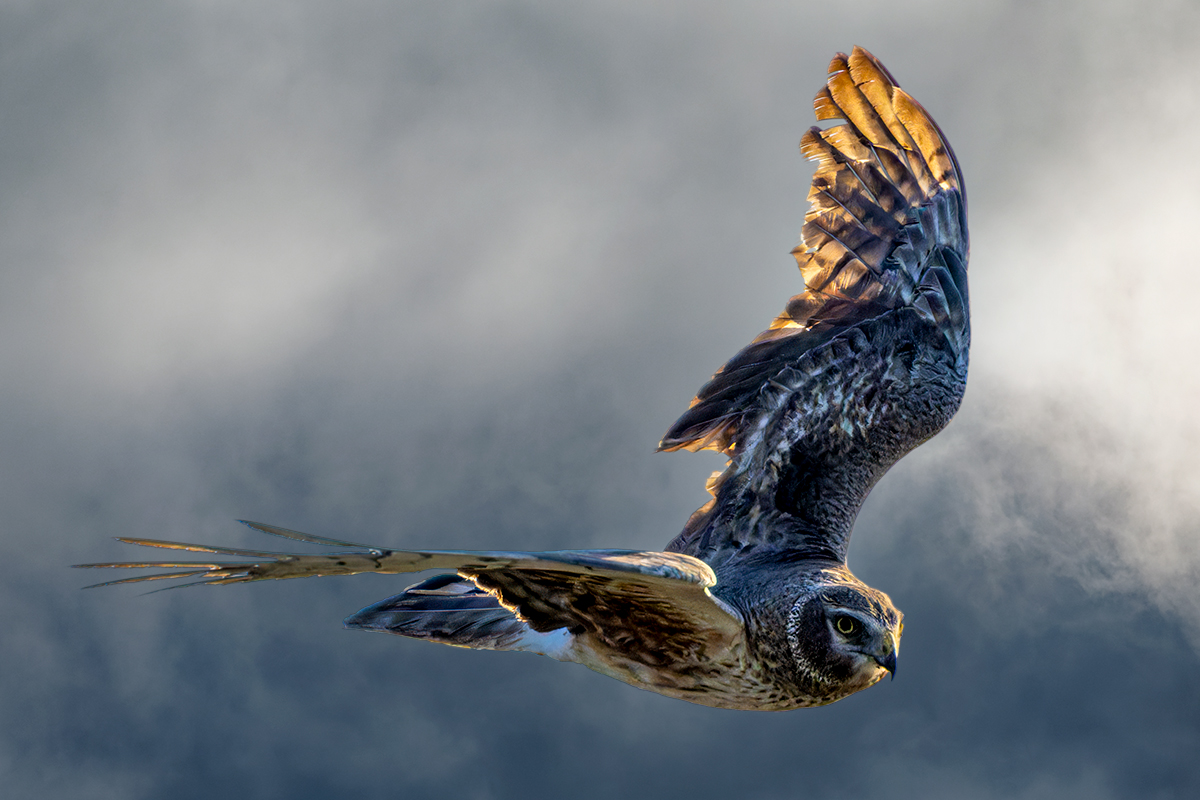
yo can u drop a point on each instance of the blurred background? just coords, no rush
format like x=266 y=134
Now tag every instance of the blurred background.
x=429 y=274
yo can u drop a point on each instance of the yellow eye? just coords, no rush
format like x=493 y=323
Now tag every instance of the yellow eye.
x=846 y=625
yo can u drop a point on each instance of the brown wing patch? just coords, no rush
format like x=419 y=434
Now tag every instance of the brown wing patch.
x=634 y=617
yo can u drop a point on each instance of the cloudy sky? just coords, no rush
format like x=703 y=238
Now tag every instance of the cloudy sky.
x=436 y=274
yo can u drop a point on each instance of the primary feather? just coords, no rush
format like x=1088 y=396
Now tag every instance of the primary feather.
x=869 y=360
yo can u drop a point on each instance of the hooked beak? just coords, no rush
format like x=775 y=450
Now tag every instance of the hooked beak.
x=888 y=659
x=888 y=662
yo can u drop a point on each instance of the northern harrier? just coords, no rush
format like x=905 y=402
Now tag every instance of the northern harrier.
x=752 y=606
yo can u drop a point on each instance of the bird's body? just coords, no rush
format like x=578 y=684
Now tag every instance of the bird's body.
x=752 y=605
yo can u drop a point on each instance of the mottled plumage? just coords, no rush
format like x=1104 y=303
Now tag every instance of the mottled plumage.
x=752 y=606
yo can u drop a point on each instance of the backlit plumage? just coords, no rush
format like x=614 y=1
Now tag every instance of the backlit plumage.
x=752 y=605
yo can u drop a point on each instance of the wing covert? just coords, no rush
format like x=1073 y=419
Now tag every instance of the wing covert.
x=869 y=360
x=653 y=606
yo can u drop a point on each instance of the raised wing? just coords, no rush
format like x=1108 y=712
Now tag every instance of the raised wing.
x=652 y=607
x=869 y=360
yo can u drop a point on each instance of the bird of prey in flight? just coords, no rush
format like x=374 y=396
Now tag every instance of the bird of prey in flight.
x=752 y=606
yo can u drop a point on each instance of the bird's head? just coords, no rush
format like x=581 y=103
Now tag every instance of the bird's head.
x=844 y=635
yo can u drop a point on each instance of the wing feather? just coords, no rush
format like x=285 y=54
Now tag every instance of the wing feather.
x=651 y=602
x=870 y=359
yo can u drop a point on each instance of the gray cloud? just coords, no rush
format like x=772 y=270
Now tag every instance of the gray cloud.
x=441 y=274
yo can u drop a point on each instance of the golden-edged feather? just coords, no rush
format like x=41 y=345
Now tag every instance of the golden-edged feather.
x=887 y=160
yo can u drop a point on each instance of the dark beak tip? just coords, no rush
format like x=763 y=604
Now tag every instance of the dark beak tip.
x=888 y=662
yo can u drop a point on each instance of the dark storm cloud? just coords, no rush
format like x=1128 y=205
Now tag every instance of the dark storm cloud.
x=440 y=275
